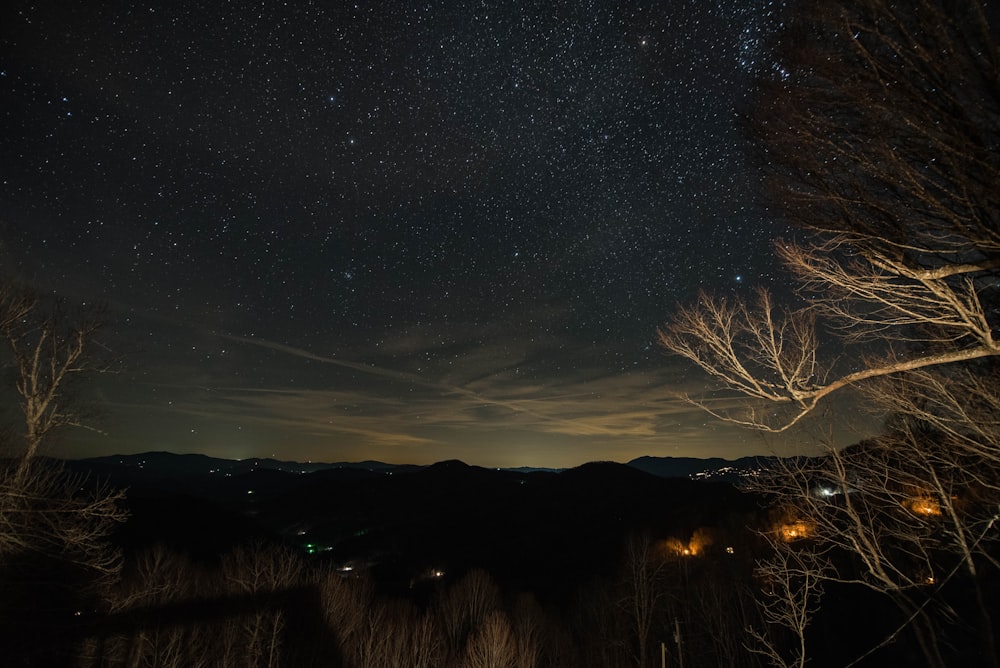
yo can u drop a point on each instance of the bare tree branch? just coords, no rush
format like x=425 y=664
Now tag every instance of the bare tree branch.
x=772 y=354
x=880 y=137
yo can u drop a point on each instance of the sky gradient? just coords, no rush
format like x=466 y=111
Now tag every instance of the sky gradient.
x=395 y=231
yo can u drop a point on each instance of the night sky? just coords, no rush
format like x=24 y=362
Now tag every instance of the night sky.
x=397 y=231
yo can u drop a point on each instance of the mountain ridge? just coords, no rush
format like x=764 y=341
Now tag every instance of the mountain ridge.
x=163 y=465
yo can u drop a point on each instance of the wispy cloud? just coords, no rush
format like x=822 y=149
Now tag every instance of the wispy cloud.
x=468 y=399
x=594 y=403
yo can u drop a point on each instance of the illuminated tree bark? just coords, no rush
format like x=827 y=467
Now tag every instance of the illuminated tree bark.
x=492 y=645
x=464 y=607
x=48 y=350
x=259 y=569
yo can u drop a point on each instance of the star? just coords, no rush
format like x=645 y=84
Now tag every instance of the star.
x=510 y=203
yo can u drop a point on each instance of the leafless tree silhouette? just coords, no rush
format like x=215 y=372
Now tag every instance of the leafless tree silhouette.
x=54 y=527
x=879 y=131
x=792 y=584
x=880 y=134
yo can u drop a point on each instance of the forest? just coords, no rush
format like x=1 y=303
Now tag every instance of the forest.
x=447 y=565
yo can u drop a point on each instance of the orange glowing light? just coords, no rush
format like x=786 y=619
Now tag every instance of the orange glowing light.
x=793 y=531
x=923 y=505
x=694 y=547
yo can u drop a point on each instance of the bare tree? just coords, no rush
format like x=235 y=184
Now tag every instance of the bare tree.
x=158 y=578
x=54 y=527
x=772 y=354
x=643 y=567
x=492 y=644
x=931 y=497
x=256 y=638
x=464 y=607
x=719 y=606
x=344 y=603
x=792 y=583
x=873 y=503
x=48 y=350
x=880 y=134
x=599 y=625
x=879 y=122
x=529 y=624
x=48 y=512
x=425 y=643
x=379 y=640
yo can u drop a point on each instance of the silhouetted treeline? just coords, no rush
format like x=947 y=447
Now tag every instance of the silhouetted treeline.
x=599 y=566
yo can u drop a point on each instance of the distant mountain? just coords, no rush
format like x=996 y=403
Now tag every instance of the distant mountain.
x=541 y=531
x=169 y=464
x=608 y=473
x=164 y=465
x=713 y=468
x=533 y=469
x=537 y=531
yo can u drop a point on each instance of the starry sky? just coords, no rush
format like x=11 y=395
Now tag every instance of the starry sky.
x=387 y=230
